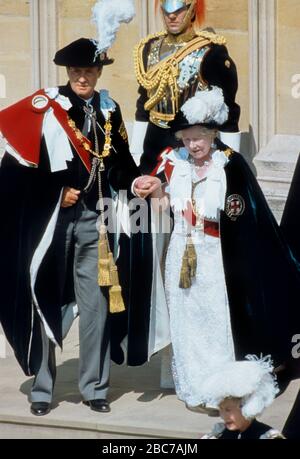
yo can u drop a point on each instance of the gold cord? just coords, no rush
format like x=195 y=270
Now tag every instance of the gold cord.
x=163 y=76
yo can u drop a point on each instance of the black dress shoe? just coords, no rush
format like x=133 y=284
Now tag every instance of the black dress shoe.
x=40 y=408
x=99 y=404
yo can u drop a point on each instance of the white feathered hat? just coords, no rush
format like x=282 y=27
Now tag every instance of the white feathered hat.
x=250 y=380
x=206 y=107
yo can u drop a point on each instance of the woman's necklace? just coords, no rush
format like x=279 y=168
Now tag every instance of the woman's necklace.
x=200 y=168
x=198 y=164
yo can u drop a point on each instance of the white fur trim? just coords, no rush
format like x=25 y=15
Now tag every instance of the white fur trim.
x=216 y=185
x=180 y=188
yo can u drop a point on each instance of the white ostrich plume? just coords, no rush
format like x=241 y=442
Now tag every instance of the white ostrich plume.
x=108 y=16
x=206 y=106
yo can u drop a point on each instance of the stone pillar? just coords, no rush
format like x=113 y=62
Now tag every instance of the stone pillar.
x=267 y=70
x=277 y=153
x=262 y=71
x=150 y=22
x=44 y=43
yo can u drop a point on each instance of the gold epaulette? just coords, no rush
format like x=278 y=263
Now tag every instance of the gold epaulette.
x=228 y=152
x=150 y=37
x=139 y=49
x=212 y=37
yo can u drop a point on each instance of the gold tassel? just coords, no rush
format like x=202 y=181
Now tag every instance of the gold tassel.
x=192 y=257
x=185 y=277
x=116 y=303
x=103 y=273
x=104 y=279
x=108 y=273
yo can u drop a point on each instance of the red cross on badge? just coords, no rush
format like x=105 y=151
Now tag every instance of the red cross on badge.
x=235 y=206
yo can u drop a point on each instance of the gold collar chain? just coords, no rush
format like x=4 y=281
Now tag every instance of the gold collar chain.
x=107 y=143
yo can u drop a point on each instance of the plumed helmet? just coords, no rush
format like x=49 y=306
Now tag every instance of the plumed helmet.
x=170 y=6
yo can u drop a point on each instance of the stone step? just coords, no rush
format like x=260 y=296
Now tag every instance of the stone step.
x=13 y=427
x=275 y=165
x=274 y=187
x=282 y=170
x=276 y=192
x=277 y=206
x=278 y=158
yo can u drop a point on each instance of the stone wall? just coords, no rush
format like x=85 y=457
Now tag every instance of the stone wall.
x=279 y=126
x=74 y=22
x=288 y=67
x=15 y=51
x=230 y=19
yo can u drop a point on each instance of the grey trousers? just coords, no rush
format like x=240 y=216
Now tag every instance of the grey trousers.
x=76 y=234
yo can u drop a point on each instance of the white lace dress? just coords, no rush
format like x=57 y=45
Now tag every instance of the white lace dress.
x=199 y=316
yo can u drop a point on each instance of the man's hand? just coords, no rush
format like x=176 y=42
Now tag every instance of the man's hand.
x=145 y=185
x=70 y=197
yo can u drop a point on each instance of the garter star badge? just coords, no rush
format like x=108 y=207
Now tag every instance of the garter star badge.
x=235 y=206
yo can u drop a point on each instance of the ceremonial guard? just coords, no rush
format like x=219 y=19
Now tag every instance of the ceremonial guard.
x=171 y=66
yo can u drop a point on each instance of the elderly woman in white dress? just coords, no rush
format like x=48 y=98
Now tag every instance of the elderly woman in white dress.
x=227 y=267
x=194 y=275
